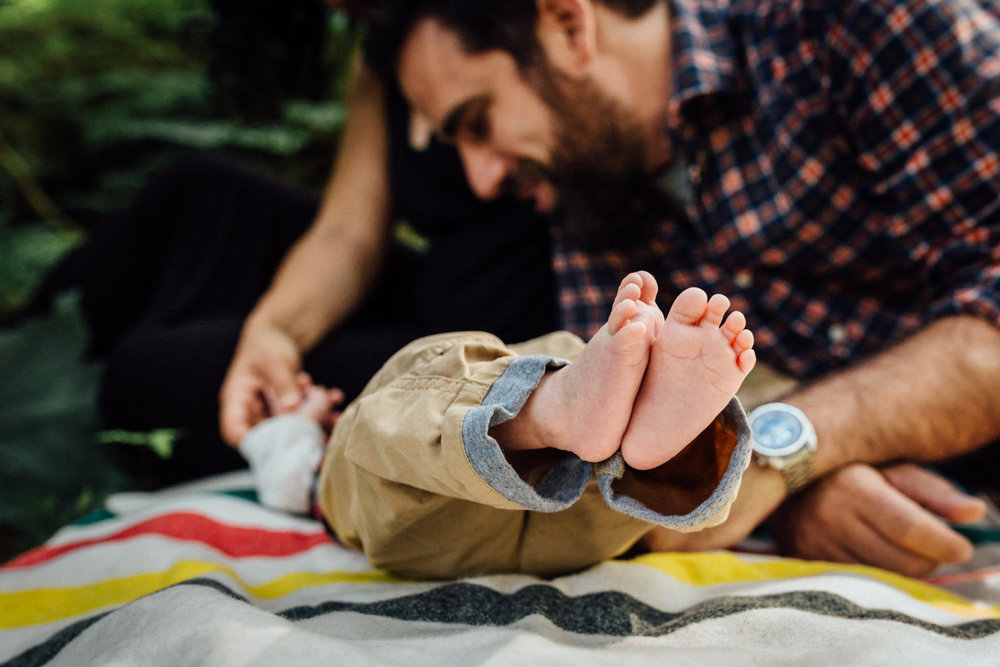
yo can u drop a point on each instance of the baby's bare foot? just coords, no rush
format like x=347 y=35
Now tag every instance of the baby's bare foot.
x=584 y=407
x=694 y=370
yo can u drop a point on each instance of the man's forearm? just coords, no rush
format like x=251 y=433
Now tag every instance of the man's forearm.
x=323 y=277
x=319 y=284
x=931 y=397
x=329 y=270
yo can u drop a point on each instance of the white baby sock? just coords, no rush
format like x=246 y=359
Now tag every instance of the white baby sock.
x=284 y=453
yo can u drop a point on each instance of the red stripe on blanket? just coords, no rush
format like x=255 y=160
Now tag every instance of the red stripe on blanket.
x=236 y=541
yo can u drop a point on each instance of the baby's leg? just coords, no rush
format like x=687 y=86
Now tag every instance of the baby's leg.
x=585 y=407
x=694 y=370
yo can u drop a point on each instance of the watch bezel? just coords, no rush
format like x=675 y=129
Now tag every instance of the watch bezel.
x=806 y=439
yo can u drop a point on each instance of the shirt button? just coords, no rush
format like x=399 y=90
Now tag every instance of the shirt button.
x=743 y=279
x=837 y=334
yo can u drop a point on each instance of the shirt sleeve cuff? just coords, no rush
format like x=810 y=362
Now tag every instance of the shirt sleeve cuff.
x=563 y=484
x=714 y=509
x=565 y=481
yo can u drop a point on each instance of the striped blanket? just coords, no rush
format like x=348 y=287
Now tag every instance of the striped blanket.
x=204 y=575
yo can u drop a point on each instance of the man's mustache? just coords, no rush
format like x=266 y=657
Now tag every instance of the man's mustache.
x=526 y=176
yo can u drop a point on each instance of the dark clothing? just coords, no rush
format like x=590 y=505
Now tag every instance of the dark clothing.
x=167 y=283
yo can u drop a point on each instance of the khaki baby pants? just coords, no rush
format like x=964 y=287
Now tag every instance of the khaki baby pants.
x=412 y=478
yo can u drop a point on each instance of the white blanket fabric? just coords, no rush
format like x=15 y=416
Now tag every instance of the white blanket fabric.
x=203 y=575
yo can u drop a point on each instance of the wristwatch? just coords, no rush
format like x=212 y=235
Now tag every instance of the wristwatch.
x=783 y=438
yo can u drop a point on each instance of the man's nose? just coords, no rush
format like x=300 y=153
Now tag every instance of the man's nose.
x=485 y=169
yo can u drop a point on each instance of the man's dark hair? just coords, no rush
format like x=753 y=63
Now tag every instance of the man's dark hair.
x=481 y=25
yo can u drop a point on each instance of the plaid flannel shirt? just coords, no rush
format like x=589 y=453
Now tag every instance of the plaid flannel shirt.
x=843 y=163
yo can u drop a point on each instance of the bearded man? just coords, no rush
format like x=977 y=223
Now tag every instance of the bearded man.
x=834 y=167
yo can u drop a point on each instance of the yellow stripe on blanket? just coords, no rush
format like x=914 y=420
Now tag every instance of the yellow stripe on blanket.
x=46 y=605
x=715 y=568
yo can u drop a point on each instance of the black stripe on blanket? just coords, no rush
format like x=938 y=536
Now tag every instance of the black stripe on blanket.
x=610 y=612
x=606 y=613
x=47 y=650
x=41 y=654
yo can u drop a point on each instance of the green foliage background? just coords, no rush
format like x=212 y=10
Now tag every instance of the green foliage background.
x=94 y=95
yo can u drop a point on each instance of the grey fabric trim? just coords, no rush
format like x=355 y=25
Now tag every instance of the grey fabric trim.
x=612 y=469
x=563 y=484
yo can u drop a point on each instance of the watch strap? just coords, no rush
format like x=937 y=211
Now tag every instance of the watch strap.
x=798 y=470
x=796 y=467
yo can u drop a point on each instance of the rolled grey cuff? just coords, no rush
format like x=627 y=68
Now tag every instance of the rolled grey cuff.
x=722 y=496
x=563 y=484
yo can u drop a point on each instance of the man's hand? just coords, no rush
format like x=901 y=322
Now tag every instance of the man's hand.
x=893 y=518
x=262 y=380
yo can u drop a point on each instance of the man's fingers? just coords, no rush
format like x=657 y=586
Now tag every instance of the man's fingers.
x=904 y=522
x=935 y=493
x=283 y=389
x=262 y=379
x=870 y=546
x=240 y=410
x=238 y=421
x=241 y=405
x=857 y=515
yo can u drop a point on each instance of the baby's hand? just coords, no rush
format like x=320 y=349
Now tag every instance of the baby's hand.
x=317 y=403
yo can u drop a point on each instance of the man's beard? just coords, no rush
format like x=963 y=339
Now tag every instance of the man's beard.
x=597 y=166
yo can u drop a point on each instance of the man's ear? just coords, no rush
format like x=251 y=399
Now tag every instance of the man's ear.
x=567 y=29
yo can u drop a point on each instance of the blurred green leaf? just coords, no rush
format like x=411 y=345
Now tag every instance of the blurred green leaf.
x=51 y=468
x=91 y=87
x=203 y=135
x=160 y=440
x=322 y=117
x=27 y=252
x=94 y=96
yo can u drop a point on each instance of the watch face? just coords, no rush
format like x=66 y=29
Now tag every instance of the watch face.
x=776 y=433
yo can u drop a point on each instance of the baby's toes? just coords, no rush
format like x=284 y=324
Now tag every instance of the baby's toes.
x=735 y=323
x=631 y=343
x=689 y=307
x=746 y=358
x=620 y=315
x=649 y=287
x=715 y=311
x=743 y=341
x=630 y=288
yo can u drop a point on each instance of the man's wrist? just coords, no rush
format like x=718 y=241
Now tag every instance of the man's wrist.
x=783 y=439
x=266 y=325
